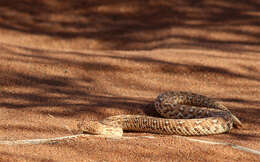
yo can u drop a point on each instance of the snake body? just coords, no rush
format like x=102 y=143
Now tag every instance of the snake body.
x=184 y=113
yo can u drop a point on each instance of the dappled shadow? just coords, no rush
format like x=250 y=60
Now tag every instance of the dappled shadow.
x=68 y=86
x=170 y=67
x=74 y=88
x=156 y=65
x=239 y=100
x=249 y=115
x=37 y=101
x=51 y=90
x=30 y=128
x=44 y=91
x=140 y=25
x=245 y=137
x=7 y=156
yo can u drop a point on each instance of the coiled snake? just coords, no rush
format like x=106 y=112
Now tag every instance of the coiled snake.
x=185 y=113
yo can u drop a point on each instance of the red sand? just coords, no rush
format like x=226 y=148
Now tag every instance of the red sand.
x=61 y=62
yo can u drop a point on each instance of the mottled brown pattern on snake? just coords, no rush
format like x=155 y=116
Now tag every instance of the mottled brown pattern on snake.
x=185 y=114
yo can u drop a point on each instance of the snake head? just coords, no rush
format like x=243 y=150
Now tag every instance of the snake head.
x=97 y=128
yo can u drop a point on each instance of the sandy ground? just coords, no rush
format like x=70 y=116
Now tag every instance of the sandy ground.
x=65 y=61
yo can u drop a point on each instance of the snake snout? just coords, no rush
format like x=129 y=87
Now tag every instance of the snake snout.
x=97 y=128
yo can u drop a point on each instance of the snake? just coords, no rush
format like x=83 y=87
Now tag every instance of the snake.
x=182 y=113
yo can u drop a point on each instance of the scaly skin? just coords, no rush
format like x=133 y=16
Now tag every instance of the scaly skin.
x=185 y=114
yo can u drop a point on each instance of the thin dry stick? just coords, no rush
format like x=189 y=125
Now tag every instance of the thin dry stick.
x=58 y=139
